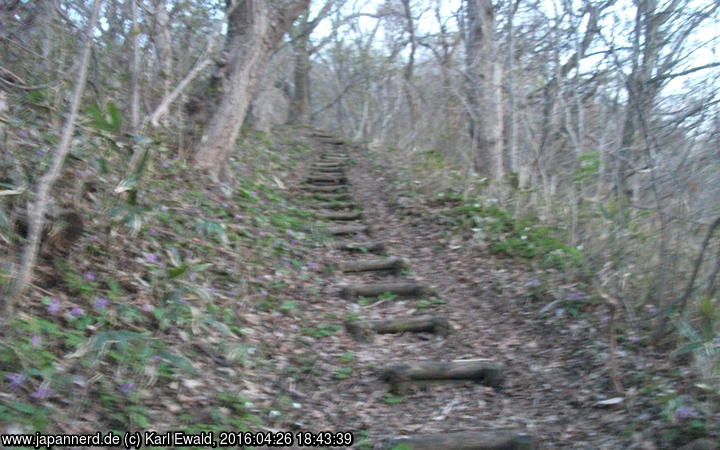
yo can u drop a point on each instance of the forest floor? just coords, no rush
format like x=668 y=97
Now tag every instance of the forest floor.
x=223 y=314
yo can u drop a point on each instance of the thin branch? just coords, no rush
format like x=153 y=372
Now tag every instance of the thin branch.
x=36 y=213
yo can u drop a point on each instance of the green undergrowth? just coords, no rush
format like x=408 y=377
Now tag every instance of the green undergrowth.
x=111 y=333
x=522 y=237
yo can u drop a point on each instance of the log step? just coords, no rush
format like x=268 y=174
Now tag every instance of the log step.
x=327 y=178
x=367 y=265
x=339 y=205
x=485 y=372
x=369 y=247
x=328 y=169
x=333 y=215
x=502 y=439
x=363 y=330
x=331 y=188
x=405 y=289
x=347 y=229
x=333 y=197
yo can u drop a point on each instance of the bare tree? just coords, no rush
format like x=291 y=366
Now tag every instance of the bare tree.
x=484 y=89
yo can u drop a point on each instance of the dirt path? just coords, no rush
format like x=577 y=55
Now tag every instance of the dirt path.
x=550 y=375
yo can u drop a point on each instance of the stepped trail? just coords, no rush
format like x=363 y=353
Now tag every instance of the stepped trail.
x=450 y=351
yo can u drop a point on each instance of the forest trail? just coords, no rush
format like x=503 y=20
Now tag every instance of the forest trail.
x=528 y=384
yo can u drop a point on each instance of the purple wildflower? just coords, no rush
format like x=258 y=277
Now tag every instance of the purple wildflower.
x=685 y=412
x=263 y=292
x=126 y=388
x=15 y=379
x=54 y=306
x=76 y=311
x=21 y=134
x=153 y=231
x=147 y=307
x=101 y=303
x=89 y=276
x=313 y=266
x=576 y=296
x=238 y=217
x=534 y=283
x=262 y=234
x=35 y=341
x=41 y=392
x=152 y=257
x=165 y=164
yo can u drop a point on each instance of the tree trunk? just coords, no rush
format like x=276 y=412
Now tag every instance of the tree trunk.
x=300 y=104
x=484 y=95
x=255 y=28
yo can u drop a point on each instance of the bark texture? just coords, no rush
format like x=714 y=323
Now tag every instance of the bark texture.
x=255 y=28
x=484 y=95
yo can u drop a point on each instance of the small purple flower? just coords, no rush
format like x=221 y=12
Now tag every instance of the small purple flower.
x=165 y=164
x=147 y=307
x=15 y=379
x=41 y=392
x=21 y=134
x=534 y=283
x=685 y=412
x=89 y=276
x=101 y=303
x=54 y=306
x=313 y=266
x=152 y=257
x=238 y=217
x=126 y=388
x=153 y=231
x=76 y=311
x=263 y=292
x=262 y=234
x=576 y=296
x=35 y=341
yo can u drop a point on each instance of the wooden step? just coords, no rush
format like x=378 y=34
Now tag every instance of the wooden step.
x=331 y=188
x=367 y=265
x=399 y=375
x=339 y=205
x=327 y=178
x=338 y=230
x=334 y=215
x=333 y=197
x=403 y=289
x=364 y=247
x=363 y=330
x=498 y=439
x=328 y=170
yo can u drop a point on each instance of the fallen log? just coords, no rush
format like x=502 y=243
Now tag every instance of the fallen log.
x=463 y=440
x=367 y=265
x=347 y=229
x=365 y=247
x=333 y=215
x=482 y=371
x=363 y=330
x=331 y=188
x=404 y=289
